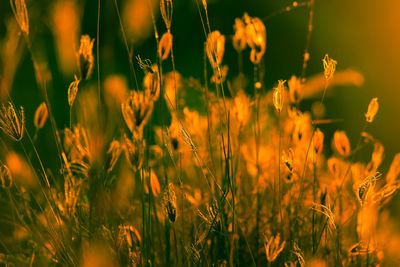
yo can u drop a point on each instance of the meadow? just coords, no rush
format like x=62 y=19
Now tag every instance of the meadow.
x=148 y=165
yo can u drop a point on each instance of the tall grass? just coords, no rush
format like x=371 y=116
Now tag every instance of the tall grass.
x=143 y=177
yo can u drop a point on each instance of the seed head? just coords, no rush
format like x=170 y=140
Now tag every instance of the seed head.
x=239 y=38
x=278 y=95
x=256 y=36
x=12 y=122
x=329 y=67
x=341 y=143
x=73 y=91
x=85 y=57
x=21 y=14
x=152 y=83
x=136 y=111
x=373 y=108
x=165 y=45
x=273 y=247
x=41 y=115
x=166 y=7
x=6 y=180
x=215 y=48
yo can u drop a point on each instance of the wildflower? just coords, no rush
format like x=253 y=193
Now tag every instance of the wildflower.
x=341 y=143
x=169 y=203
x=41 y=116
x=215 y=48
x=239 y=39
x=273 y=247
x=12 y=122
x=85 y=57
x=165 y=45
x=318 y=141
x=73 y=91
x=329 y=67
x=256 y=37
x=21 y=14
x=136 y=111
x=166 y=7
x=278 y=95
x=6 y=180
x=373 y=108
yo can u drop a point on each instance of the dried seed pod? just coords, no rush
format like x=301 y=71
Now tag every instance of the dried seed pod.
x=215 y=48
x=136 y=111
x=6 y=180
x=85 y=57
x=73 y=91
x=341 y=143
x=278 y=95
x=21 y=14
x=41 y=115
x=151 y=83
x=166 y=7
x=165 y=45
x=373 y=108
x=329 y=67
x=12 y=121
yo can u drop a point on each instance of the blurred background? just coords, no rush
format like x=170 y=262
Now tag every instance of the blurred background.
x=359 y=34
